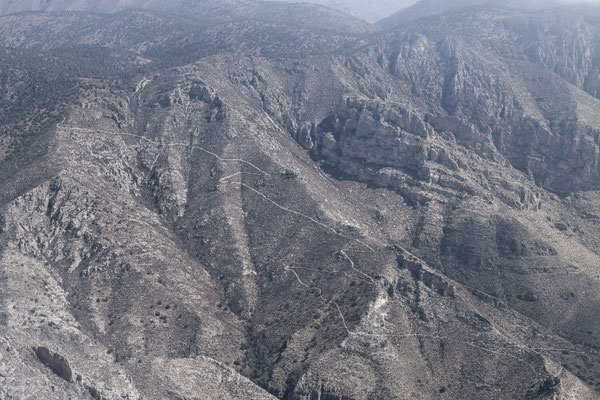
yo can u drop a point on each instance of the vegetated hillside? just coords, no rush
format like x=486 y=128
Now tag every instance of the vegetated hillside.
x=209 y=11
x=31 y=95
x=425 y=8
x=412 y=216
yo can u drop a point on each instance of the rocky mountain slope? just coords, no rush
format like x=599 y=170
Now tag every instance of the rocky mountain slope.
x=208 y=11
x=407 y=214
x=122 y=39
x=426 y=8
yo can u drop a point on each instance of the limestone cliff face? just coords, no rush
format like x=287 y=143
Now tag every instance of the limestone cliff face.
x=454 y=98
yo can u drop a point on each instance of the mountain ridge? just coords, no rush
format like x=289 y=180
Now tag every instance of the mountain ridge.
x=240 y=224
x=210 y=11
x=374 y=11
x=426 y=8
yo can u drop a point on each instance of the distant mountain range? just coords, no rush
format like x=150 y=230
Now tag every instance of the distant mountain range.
x=208 y=11
x=368 y=10
x=351 y=15
x=424 y=8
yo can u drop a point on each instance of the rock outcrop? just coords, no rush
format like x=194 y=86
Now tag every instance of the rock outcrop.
x=58 y=364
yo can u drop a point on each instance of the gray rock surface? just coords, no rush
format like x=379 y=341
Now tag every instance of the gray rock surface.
x=415 y=215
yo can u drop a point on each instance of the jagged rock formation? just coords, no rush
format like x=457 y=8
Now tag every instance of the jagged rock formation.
x=413 y=216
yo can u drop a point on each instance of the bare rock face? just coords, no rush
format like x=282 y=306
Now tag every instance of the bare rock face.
x=432 y=139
